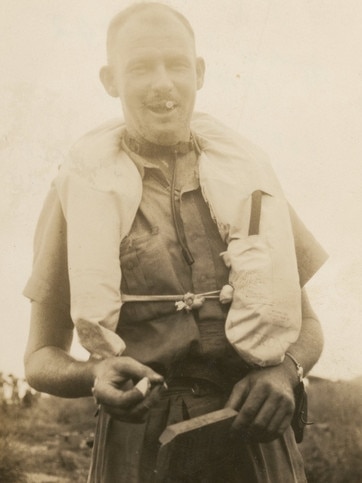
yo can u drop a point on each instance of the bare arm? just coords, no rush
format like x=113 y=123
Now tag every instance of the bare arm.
x=50 y=368
x=308 y=348
x=48 y=365
x=265 y=398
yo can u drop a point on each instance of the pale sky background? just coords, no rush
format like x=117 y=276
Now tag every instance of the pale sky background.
x=286 y=74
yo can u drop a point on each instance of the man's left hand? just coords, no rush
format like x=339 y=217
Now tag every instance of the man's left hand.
x=265 y=401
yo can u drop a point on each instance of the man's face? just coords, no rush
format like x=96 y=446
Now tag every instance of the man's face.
x=153 y=69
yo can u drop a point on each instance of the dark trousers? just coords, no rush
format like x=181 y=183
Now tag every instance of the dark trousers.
x=127 y=453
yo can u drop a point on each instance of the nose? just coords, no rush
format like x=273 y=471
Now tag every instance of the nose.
x=161 y=81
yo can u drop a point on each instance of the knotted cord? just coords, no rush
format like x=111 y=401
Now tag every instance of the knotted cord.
x=188 y=301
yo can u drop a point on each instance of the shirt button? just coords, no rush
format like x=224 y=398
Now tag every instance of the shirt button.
x=203 y=278
x=129 y=265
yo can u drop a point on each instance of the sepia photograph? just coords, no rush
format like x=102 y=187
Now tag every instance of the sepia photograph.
x=180 y=244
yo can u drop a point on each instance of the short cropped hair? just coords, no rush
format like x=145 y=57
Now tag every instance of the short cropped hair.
x=121 y=18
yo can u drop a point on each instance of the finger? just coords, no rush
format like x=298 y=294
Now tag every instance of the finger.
x=154 y=396
x=280 y=421
x=138 y=412
x=263 y=417
x=259 y=430
x=136 y=370
x=105 y=393
x=238 y=395
x=249 y=410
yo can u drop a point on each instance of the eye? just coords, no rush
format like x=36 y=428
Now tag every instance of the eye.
x=179 y=65
x=138 y=70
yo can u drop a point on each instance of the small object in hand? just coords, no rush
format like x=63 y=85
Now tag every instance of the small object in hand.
x=143 y=386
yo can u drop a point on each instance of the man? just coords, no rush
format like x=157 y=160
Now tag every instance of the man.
x=173 y=246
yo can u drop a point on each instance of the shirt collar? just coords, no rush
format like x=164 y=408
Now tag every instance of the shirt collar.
x=153 y=162
x=188 y=178
x=150 y=150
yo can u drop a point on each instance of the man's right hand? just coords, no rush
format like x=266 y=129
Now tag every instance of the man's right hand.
x=114 y=388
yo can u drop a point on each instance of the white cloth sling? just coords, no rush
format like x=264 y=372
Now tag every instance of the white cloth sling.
x=100 y=190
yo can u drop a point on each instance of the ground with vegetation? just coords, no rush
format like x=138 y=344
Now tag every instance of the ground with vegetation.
x=49 y=442
x=332 y=446
x=46 y=442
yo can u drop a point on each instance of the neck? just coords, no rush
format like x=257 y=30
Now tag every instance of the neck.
x=147 y=149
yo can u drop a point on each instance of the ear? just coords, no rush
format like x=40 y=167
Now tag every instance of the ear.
x=200 y=72
x=106 y=77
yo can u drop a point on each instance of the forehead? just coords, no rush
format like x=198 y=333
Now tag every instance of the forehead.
x=151 y=31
